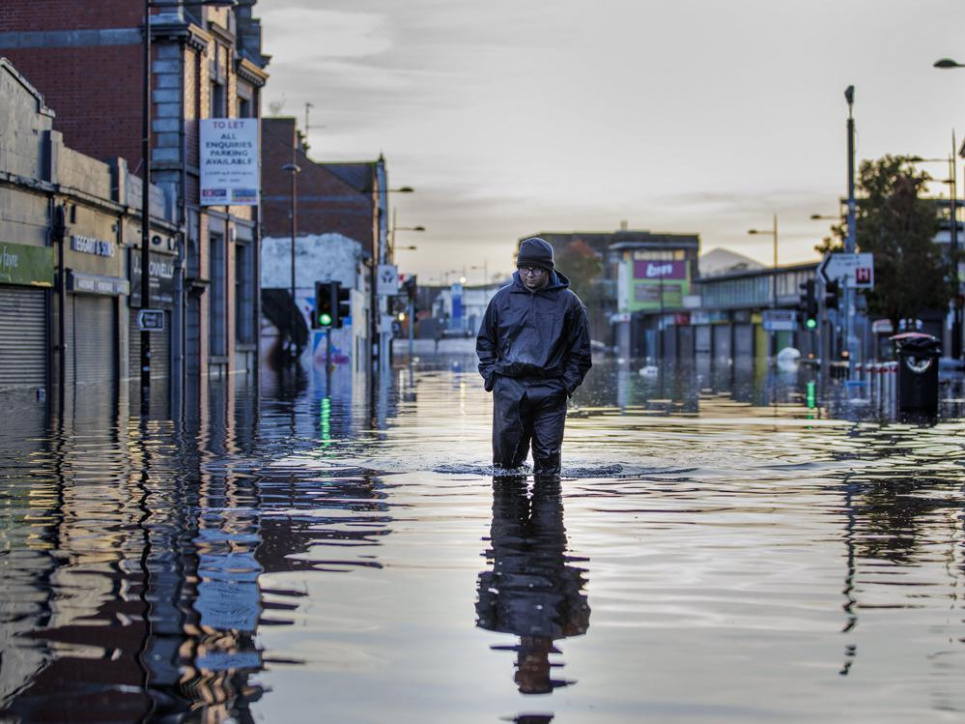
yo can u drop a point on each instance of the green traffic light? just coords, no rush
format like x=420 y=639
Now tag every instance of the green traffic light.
x=811 y=324
x=325 y=320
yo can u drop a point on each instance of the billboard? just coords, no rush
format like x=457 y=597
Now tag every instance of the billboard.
x=230 y=167
x=655 y=284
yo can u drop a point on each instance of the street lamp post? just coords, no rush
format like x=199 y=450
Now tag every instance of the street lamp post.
x=850 y=242
x=399 y=228
x=773 y=234
x=952 y=181
x=146 y=184
x=294 y=347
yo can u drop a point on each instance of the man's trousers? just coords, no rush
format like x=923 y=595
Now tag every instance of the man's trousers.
x=528 y=412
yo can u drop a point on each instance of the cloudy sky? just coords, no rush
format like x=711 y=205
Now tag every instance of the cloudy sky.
x=511 y=117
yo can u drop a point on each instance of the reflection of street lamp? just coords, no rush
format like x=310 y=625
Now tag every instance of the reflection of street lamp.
x=146 y=181
x=294 y=170
x=771 y=233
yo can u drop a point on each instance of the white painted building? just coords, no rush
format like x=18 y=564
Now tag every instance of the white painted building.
x=319 y=258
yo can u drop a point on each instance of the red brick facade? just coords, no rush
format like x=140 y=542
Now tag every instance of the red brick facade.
x=325 y=203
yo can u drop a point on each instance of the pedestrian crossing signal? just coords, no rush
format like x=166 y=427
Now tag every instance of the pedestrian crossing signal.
x=343 y=305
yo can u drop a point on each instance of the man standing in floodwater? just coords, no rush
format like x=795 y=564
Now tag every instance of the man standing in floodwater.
x=534 y=350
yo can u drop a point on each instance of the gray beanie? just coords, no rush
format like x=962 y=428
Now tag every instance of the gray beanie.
x=535 y=252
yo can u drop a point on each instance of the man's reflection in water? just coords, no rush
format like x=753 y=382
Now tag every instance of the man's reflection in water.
x=532 y=590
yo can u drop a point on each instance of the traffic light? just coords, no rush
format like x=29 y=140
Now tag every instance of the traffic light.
x=326 y=305
x=832 y=292
x=343 y=306
x=808 y=305
x=411 y=289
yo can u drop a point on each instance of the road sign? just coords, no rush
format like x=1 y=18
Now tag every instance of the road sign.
x=857 y=270
x=387 y=283
x=779 y=320
x=150 y=320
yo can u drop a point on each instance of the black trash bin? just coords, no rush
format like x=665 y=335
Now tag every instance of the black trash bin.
x=918 y=354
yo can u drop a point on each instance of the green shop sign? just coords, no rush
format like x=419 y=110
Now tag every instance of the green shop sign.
x=26 y=265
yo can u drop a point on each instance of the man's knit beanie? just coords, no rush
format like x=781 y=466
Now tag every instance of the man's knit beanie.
x=535 y=252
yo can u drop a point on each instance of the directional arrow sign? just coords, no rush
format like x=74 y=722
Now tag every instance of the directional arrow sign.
x=150 y=320
x=857 y=270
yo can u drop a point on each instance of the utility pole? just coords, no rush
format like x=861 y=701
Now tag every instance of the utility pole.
x=850 y=344
x=956 y=350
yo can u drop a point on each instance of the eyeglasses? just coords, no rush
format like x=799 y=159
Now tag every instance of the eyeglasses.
x=531 y=270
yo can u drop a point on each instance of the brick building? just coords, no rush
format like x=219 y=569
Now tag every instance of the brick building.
x=345 y=201
x=87 y=61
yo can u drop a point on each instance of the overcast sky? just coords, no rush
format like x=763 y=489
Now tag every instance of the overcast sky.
x=512 y=117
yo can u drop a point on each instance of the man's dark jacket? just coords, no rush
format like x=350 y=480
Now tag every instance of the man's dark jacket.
x=535 y=335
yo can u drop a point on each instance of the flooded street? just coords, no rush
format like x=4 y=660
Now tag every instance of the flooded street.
x=725 y=545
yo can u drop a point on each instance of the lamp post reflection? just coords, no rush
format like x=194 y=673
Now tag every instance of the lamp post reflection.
x=533 y=590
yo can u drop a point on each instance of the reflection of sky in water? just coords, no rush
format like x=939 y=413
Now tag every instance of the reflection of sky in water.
x=749 y=547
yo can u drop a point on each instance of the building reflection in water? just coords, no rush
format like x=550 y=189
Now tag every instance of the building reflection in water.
x=533 y=590
x=137 y=553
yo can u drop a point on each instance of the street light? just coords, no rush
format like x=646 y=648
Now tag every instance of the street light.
x=146 y=188
x=771 y=233
x=400 y=228
x=294 y=170
x=945 y=63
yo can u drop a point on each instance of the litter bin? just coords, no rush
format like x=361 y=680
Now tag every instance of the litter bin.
x=918 y=354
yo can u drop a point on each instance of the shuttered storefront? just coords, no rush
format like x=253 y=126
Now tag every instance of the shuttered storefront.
x=95 y=339
x=743 y=340
x=160 y=349
x=23 y=337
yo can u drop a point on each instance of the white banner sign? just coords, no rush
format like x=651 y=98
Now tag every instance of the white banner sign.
x=230 y=174
x=388 y=280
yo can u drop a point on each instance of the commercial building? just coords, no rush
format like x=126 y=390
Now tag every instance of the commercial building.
x=337 y=213
x=206 y=63
x=66 y=277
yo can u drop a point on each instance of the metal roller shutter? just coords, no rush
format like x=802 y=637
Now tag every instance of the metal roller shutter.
x=160 y=348
x=23 y=338
x=95 y=339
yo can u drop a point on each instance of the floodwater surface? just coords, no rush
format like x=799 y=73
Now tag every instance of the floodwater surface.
x=722 y=547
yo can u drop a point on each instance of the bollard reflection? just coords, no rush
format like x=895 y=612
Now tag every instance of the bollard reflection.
x=532 y=590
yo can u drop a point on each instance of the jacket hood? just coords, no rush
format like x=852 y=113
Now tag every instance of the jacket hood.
x=557 y=280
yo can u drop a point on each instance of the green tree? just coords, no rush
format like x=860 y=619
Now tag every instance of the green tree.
x=898 y=226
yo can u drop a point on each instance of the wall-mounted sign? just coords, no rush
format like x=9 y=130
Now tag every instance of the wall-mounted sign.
x=647 y=269
x=26 y=265
x=779 y=320
x=150 y=320
x=388 y=280
x=654 y=284
x=161 y=272
x=230 y=169
x=80 y=283
x=90 y=245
